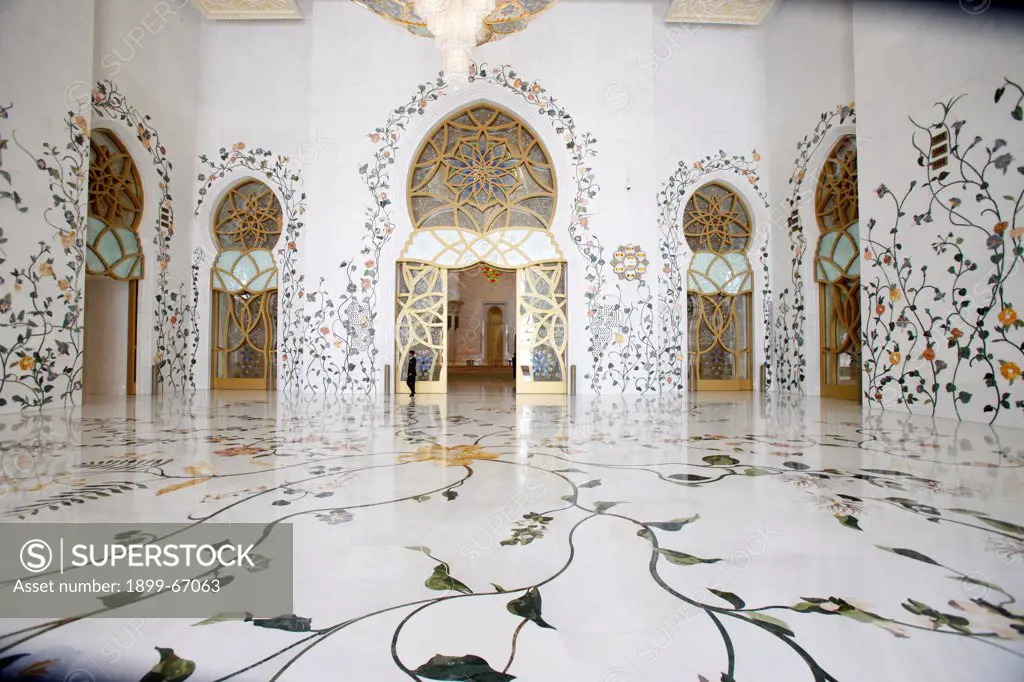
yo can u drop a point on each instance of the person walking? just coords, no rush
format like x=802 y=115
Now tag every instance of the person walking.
x=410 y=377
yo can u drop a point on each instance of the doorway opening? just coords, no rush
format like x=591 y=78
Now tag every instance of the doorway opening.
x=247 y=226
x=114 y=264
x=481 y=328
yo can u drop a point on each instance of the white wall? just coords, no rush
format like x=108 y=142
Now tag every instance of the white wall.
x=106 y=336
x=809 y=54
x=51 y=43
x=906 y=62
x=149 y=52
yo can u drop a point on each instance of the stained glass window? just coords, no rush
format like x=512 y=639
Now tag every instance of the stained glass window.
x=716 y=225
x=481 y=170
x=247 y=226
x=837 y=271
x=115 y=210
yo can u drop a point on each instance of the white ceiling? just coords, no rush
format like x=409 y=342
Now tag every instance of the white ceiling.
x=249 y=9
x=749 y=12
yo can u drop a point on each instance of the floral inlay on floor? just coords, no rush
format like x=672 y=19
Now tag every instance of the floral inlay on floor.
x=473 y=538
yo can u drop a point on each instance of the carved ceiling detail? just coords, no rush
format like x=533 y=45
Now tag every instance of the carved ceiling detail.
x=747 y=12
x=248 y=9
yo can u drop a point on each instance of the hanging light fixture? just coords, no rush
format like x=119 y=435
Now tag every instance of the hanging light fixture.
x=457 y=26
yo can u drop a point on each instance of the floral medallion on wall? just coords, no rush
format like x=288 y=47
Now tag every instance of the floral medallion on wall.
x=630 y=262
x=491 y=275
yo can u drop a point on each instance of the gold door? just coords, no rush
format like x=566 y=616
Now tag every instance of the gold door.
x=112 y=234
x=719 y=341
x=542 y=329
x=720 y=286
x=421 y=327
x=837 y=271
x=244 y=280
x=495 y=354
x=244 y=332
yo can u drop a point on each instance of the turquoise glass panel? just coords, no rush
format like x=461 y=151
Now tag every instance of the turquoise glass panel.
x=92 y=262
x=846 y=251
x=245 y=270
x=264 y=259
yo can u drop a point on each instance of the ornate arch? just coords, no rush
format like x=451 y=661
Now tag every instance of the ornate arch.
x=247 y=225
x=718 y=227
x=482 y=189
x=116 y=200
x=837 y=271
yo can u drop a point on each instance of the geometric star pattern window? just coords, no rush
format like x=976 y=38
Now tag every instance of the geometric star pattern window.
x=837 y=271
x=716 y=226
x=247 y=226
x=482 y=170
x=115 y=210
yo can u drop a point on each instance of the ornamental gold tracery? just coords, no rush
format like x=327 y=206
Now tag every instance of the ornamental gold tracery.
x=717 y=227
x=837 y=271
x=115 y=210
x=247 y=225
x=482 y=170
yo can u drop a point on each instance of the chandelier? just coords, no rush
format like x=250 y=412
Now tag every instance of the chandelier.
x=457 y=26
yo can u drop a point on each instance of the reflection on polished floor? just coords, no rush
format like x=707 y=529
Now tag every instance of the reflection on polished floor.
x=553 y=539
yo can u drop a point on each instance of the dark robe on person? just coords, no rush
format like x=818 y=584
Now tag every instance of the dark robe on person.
x=410 y=377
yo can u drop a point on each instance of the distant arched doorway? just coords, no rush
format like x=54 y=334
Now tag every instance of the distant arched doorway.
x=495 y=339
x=247 y=226
x=482 y=190
x=837 y=272
x=720 y=289
x=114 y=264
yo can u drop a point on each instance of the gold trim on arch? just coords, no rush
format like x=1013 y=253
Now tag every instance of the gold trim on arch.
x=482 y=169
x=456 y=248
x=116 y=203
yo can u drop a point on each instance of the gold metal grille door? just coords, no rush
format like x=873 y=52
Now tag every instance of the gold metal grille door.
x=542 y=329
x=112 y=243
x=837 y=271
x=716 y=225
x=244 y=280
x=421 y=327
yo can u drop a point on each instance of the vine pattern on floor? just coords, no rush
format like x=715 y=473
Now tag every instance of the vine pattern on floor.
x=310 y=467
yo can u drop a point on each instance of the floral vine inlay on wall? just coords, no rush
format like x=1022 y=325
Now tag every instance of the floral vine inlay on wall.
x=943 y=336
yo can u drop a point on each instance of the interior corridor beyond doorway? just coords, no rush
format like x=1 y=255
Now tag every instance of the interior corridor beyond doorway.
x=481 y=329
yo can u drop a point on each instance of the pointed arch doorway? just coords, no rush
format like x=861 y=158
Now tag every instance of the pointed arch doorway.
x=482 y=190
x=114 y=265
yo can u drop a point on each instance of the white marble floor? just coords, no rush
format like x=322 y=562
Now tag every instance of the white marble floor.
x=477 y=537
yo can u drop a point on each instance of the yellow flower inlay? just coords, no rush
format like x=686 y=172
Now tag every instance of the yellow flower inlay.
x=455 y=456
